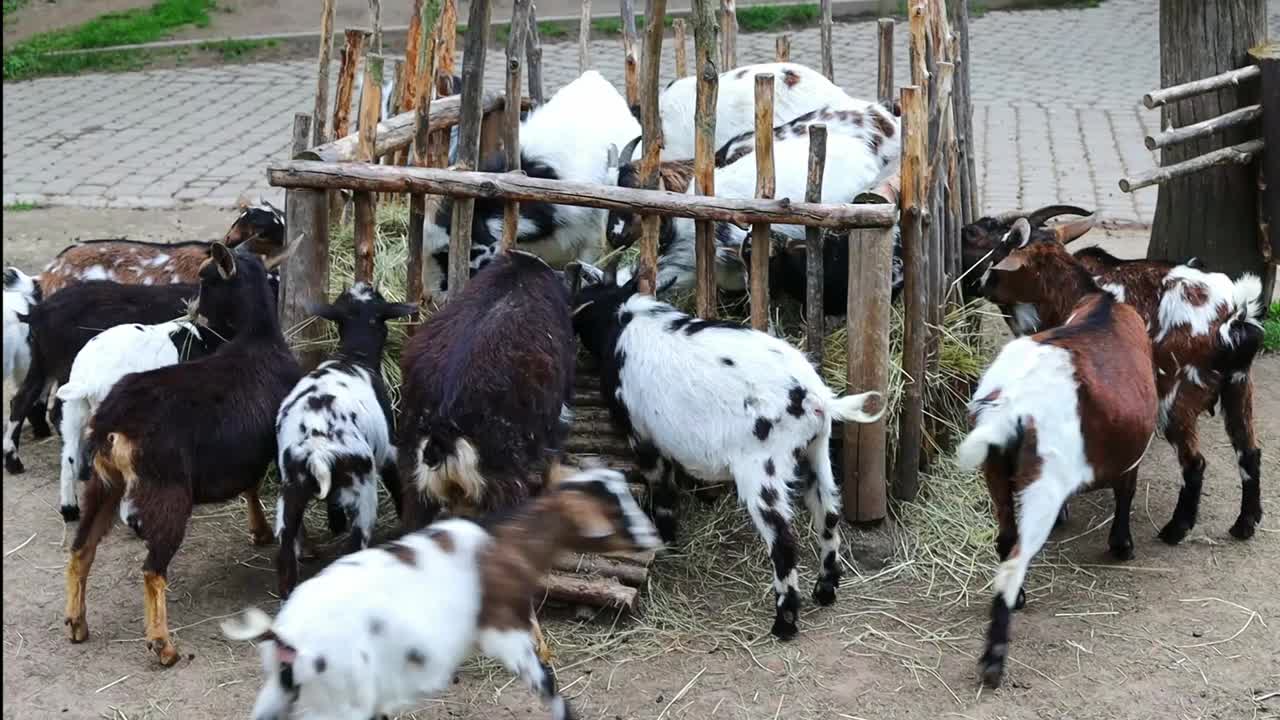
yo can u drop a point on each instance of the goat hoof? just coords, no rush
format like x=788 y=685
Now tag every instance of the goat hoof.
x=77 y=630
x=1174 y=532
x=1122 y=550
x=13 y=465
x=262 y=537
x=824 y=593
x=70 y=513
x=1245 y=527
x=784 y=628
x=666 y=525
x=992 y=668
x=164 y=651
x=1021 y=602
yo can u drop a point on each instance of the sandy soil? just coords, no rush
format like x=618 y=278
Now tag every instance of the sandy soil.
x=1185 y=632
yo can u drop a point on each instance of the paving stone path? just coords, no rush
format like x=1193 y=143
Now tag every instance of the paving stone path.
x=1056 y=93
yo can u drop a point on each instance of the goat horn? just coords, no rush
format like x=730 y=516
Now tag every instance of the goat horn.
x=1048 y=212
x=1067 y=232
x=628 y=150
x=273 y=262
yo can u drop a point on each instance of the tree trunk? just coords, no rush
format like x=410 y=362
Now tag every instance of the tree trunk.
x=1213 y=214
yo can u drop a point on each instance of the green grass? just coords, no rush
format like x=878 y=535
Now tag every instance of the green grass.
x=769 y=18
x=235 y=49
x=13 y=6
x=613 y=26
x=546 y=30
x=1271 y=329
x=140 y=25
x=22 y=206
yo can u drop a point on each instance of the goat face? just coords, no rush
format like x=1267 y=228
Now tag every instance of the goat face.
x=979 y=238
x=259 y=227
x=361 y=314
x=1026 y=266
x=596 y=306
x=603 y=514
x=234 y=285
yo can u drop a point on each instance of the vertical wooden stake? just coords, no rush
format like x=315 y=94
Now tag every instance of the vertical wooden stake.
x=911 y=420
x=828 y=65
x=728 y=34
x=473 y=57
x=630 y=58
x=584 y=38
x=865 y=481
x=365 y=208
x=351 y=55
x=884 y=78
x=760 y=241
x=782 y=48
x=511 y=115
x=305 y=278
x=320 y=115
x=682 y=58
x=535 y=57
x=704 y=122
x=375 y=19
x=446 y=47
x=651 y=140
x=815 y=316
x=422 y=68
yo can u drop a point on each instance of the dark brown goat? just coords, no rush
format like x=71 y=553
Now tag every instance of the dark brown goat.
x=487 y=388
x=198 y=432
x=1068 y=410
x=259 y=228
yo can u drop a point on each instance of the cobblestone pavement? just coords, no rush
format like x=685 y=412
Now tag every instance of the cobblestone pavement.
x=1056 y=98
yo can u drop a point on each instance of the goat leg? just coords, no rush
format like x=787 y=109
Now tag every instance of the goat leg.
x=1237 y=414
x=1121 y=540
x=259 y=529
x=155 y=590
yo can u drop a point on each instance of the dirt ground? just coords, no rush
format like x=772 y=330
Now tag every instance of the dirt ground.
x=1180 y=632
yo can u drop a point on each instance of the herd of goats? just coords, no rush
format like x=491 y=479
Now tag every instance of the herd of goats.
x=158 y=414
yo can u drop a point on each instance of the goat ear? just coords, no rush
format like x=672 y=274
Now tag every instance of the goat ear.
x=1014 y=261
x=397 y=310
x=1019 y=235
x=224 y=259
x=323 y=310
x=276 y=260
x=252 y=625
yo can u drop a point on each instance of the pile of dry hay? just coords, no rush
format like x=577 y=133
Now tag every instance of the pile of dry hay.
x=711 y=591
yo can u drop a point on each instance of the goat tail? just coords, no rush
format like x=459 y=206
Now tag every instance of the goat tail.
x=1247 y=294
x=974 y=448
x=17 y=281
x=1240 y=337
x=253 y=624
x=853 y=408
x=73 y=391
x=318 y=462
x=446 y=469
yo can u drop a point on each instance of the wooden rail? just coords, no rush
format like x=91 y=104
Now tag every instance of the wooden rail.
x=1156 y=98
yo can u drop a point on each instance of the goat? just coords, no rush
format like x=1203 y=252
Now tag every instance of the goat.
x=202 y=431
x=471 y=588
x=1063 y=411
x=101 y=363
x=258 y=227
x=1205 y=333
x=797 y=90
x=21 y=291
x=589 y=111
x=731 y=404
x=61 y=325
x=334 y=429
x=488 y=384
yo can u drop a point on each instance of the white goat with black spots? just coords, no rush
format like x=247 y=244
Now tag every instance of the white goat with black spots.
x=334 y=430
x=380 y=631
x=723 y=402
x=109 y=356
x=20 y=292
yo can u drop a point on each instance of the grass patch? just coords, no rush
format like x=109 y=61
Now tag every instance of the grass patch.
x=769 y=18
x=235 y=49
x=613 y=26
x=20 y=207
x=31 y=57
x=1271 y=329
x=11 y=6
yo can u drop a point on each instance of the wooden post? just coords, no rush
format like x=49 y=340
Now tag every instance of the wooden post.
x=911 y=420
x=682 y=58
x=473 y=57
x=393 y=68
x=729 y=34
x=782 y=48
x=815 y=317
x=351 y=54
x=305 y=278
x=511 y=115
x=584 y=38
x=446 y=47
x=423 y=67
x=319 y=116
x=962 y=110
x=365 y=207
x=760 y=241
x=375 y=19
x=828 y=65
x=412 y=59
x=704 y=122
x=1268 y=59
x=651 y=140
x=1211 y=215
x=865 y=481
x=630 y=58
x=535 y=57
x=884 y=76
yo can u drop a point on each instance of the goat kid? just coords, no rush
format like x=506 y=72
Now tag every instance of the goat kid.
x=335 y=429
x=735 y=404
x=202 y=431
x=471 y=586
x=20 y=292
x=1064 y=411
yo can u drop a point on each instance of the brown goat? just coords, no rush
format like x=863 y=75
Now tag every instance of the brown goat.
x=1084 y=391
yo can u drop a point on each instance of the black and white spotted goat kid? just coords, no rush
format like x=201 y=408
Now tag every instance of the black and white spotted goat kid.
x=723 y=402
x=334 y=430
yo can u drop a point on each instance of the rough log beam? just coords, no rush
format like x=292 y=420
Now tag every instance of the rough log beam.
x=596 y=593
x=652 y=141
x=511 y=115
x=1227 y=121
x=765 y=187
x=815 y=318
x=1241 y=154
x=320 y=115
x=1174 y=93
x=704 y=150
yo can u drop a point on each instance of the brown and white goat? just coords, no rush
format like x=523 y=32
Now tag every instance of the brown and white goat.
x=198 y=432
x=1205 y=335
x=259 y=228
x=1064 y=411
